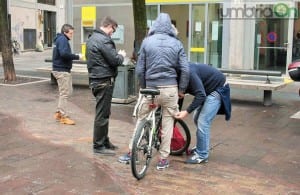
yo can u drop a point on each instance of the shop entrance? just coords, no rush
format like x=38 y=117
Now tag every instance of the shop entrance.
x=200 y=29
x=272 y=45
x=206 y=34
x=180 y=16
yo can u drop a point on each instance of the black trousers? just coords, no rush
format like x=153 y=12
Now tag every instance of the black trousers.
x=103 y=92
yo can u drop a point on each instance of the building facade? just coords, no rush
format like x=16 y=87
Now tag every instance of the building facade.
x=36 y=21
x=236 y=34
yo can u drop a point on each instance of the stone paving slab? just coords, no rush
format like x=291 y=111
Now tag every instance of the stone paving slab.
x=34 y=166
x=246 y=155
x=257 y=152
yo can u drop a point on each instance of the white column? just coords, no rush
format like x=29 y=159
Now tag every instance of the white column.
x=61 y=14
x=236 y=36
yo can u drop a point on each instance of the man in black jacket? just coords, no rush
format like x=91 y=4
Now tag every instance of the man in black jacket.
x=61 y=67
x=102 y=64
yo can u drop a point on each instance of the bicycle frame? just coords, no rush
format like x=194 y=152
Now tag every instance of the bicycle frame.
x=147 y=136
x=151 y=116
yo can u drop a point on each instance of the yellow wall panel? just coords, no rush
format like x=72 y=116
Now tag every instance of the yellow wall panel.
x=88 y=13
x=197 y=49
x=83 y=48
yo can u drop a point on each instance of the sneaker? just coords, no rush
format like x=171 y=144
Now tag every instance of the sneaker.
x=57 y=116
x=162 y=164
x=196 y=159
x=192 y=151
x=66 y=120
x=125 y=158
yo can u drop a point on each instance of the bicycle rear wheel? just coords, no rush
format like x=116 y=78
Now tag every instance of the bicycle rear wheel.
x=186 y=136
x=141 y=151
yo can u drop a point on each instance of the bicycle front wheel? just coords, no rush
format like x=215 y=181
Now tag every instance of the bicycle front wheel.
x=181 y=142
x=141 y=151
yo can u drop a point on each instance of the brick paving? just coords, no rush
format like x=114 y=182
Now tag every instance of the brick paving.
x=257 y=152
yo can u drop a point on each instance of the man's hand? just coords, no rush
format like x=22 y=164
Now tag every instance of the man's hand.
x=181 y=95
x=80 y=56
x=122 y=53
x=181 y=114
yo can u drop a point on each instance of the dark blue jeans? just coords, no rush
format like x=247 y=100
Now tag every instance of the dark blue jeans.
x=103 y=92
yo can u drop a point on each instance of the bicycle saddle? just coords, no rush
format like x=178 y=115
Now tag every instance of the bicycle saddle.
x=150 y=91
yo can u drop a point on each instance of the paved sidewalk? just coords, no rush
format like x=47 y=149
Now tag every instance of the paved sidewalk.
x=257 y=152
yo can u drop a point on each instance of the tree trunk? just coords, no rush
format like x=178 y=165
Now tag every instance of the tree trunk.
x=140 y=24
x=5 y=41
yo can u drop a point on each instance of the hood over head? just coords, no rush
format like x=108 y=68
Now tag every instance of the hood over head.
x=162 y=25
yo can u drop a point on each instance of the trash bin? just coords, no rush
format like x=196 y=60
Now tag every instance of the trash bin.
x=294 y=70
x=125 y=85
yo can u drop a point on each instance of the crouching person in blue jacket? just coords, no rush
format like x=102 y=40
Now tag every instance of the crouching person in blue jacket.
x=211 y=97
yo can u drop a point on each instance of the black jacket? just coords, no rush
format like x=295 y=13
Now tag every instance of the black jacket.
x=102 y=57
x=62 y=55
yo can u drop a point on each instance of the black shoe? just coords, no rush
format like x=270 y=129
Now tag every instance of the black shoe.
x=105 y=151
x=111 y=146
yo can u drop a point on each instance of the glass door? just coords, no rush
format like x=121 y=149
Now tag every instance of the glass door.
x=206 y=34
x=271 y=43
x=198 y=34
x=215 y=30
x=179 y=15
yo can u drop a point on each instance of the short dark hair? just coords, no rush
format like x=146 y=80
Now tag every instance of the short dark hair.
x=66 y=28
x=107 y=20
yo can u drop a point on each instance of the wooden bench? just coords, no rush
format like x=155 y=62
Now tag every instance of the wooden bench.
x=262 y=81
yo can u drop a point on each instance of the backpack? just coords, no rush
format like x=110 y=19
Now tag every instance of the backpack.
x=177 y=141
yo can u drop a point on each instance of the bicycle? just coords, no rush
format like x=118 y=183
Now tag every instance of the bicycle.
x=15 y=47
x=147 y=137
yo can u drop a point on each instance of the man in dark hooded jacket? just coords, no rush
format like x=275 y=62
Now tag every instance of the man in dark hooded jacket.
x=160 y=58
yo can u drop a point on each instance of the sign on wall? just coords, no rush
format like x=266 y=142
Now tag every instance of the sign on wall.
x=118 y=36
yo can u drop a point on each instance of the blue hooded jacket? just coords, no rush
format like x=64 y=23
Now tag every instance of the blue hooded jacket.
x=162 y=56
x=62 y=55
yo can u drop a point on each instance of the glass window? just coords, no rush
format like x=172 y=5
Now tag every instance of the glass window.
x=49 y=2
x=214 y=45
x=198 y=34
x=270 y=42
x=152 y=12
